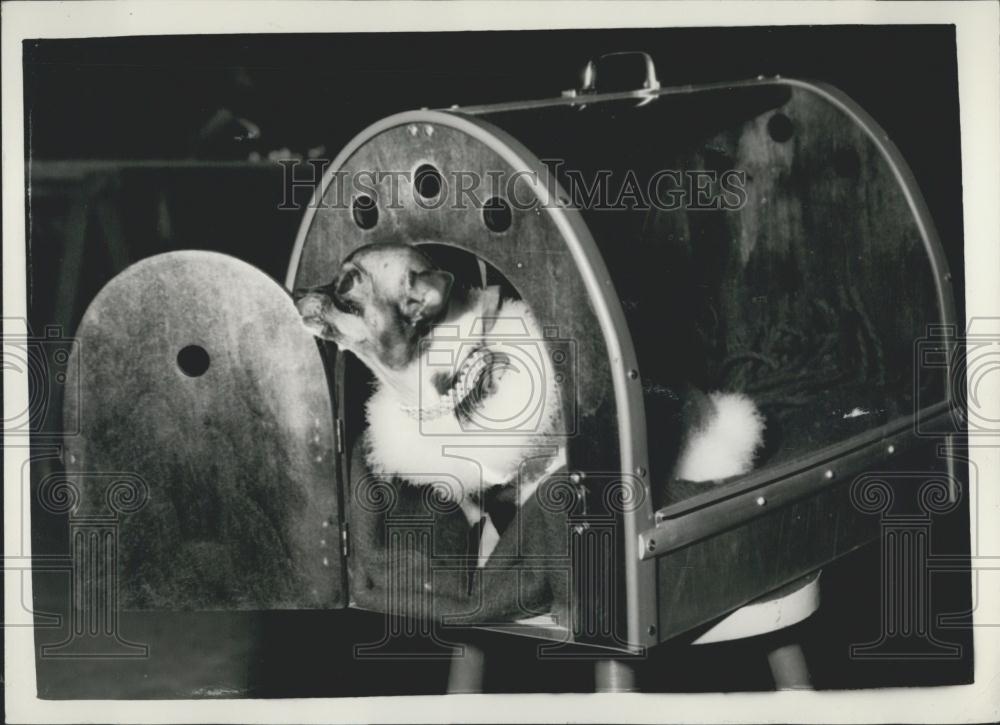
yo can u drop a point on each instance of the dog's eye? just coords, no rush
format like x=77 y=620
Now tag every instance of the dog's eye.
x=341 y=287
x=348 y=306
x=346 y=281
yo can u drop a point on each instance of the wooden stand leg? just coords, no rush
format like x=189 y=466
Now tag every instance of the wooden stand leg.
x=788 y=667
x=614 y=676
x=465 y=674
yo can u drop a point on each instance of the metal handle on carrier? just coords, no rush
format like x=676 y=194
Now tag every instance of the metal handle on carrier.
x=591 y=72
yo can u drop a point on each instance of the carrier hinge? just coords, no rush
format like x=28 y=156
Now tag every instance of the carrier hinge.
x=339 y=425
x=345 y=541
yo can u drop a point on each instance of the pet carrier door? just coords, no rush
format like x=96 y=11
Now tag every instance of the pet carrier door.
x=207 y=444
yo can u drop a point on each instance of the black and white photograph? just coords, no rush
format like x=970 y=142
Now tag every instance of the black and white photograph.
x=415 y=362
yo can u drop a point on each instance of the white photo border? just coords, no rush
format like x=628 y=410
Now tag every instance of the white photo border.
x=977 y=32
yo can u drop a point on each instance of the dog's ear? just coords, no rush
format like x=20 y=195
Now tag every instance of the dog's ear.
x=427 y=295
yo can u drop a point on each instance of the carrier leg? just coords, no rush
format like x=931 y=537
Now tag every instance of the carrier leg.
x=465 y=673
x=788 y=667
x=614 y=676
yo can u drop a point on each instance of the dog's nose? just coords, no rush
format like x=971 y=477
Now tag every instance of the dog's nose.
x=309 y=304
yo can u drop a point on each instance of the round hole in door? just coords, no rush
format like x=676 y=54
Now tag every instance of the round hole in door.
x=365 y=211
x=427 y=181
x=780 y=128
x=496 y=214
x=193 y=360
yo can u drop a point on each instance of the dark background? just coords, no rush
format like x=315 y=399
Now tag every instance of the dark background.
x=151 y=97
x=178 y=179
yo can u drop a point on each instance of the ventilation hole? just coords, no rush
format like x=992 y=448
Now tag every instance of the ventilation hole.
x=365 y=211
x=427 y=181
x=496 y=214
x=847 y=164
x=779 y=126
x=193 y=361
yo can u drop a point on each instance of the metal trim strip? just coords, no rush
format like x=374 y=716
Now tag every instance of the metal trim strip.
x=720 y=515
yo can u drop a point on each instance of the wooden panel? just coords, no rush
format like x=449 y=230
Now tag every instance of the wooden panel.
x=221 y=481
x=703 y=581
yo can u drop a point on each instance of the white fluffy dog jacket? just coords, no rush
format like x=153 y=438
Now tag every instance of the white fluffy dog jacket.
x=468 y=438
x=500 y=408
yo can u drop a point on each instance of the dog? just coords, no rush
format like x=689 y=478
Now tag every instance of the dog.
x=393 y=308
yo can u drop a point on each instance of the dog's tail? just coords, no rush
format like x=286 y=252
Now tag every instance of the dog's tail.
x=726 y=442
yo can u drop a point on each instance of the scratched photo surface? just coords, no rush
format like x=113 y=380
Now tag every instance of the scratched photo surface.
x=604 y=254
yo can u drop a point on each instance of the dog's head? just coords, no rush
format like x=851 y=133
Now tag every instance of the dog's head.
x=382 y=301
